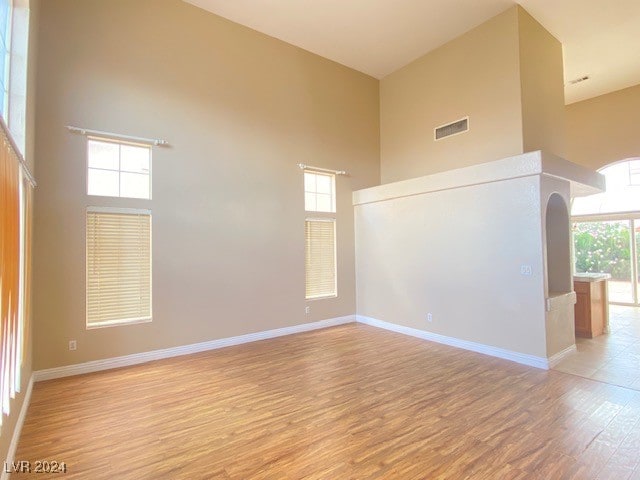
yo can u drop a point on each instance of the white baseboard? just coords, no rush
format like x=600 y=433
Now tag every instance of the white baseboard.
x=557 y=358
x=11 y=452
x=136 y=358
x=523 y=358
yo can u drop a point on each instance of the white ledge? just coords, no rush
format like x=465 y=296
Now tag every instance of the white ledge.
x=556 y=301
x=583 y=181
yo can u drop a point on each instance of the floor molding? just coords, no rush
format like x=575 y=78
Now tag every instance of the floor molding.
x=523 y=358
x=557 y=358
x=11 y=452
x=136 y=358
x=143 y=357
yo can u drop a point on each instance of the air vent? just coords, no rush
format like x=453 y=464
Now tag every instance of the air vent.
x=454 y=128
x=578 y=80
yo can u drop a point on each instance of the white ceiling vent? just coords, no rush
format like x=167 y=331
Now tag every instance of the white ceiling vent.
x=459 y=126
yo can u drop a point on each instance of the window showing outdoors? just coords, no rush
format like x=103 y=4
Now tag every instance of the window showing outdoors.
x=14 y=45
x=5 y=40
x=622 y=195
x=319 y=192
x=320 y=235
x=605 y=247
x=606 y=231
x=634 y=172
x=118 y=169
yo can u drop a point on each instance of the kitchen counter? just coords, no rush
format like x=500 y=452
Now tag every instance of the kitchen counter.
x=590 y=277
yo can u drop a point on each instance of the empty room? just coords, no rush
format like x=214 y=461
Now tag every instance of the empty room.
x=286 y=239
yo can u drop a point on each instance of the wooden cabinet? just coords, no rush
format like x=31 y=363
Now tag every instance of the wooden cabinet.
x=591 y=309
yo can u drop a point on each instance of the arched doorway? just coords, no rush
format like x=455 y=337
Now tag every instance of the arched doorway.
x=606 y=231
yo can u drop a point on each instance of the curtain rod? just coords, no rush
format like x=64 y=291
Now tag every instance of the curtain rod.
x=309 y=167
x=151 y=141
x=25 y=168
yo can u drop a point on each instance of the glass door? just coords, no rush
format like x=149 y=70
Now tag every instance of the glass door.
x=609 y=247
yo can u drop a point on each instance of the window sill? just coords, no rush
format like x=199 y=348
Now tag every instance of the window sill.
x=323 y=297
x=116 y=323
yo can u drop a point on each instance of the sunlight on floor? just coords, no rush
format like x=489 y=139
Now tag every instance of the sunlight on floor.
x=611 y=358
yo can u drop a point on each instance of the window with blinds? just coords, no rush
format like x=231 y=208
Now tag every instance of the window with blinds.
x=118 y=266
x=15 y=238
x=320 y=258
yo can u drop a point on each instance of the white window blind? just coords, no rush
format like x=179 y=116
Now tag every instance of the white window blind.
x=118 y=267
x=320 y=258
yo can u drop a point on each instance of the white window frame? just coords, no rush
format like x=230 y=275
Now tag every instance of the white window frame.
x=323 y=216
x=119 y=170
x=127 y=321
x=15 y=74
x=7 y=63
x=634 y=172
x=332 y=177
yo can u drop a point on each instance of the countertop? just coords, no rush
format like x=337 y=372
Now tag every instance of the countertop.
x=591 y=277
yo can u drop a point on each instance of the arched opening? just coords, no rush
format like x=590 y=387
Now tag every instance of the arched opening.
x=558 y=246
x=622 y=193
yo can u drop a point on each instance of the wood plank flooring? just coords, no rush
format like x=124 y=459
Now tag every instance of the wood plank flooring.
x=349 y=402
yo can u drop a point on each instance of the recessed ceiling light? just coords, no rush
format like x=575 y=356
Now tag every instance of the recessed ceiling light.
x=578 y=80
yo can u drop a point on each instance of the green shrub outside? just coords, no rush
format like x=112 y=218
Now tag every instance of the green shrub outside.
x=603 y=247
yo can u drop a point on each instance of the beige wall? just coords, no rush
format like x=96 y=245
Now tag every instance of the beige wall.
x=456 y=253
x=454 y=244
x=32 y=67
x=9 y=422
x=240 y=109
x=542 y=87
x=506 y=75
x=475 y=75
x=604 y=129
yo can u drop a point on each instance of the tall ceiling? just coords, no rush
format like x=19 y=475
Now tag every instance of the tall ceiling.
x=601 y=39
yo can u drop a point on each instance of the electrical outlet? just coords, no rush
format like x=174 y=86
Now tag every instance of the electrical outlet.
x=429 y=317
x=307 y=310
x=525 y=270
x=72 y=345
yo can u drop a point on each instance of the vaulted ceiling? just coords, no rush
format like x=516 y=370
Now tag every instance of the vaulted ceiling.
x=600 y=39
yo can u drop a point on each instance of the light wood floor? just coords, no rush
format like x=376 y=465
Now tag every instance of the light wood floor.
x=347 y=402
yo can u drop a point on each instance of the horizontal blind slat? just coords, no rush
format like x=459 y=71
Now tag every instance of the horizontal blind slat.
x=118 y=266
x=320 y=258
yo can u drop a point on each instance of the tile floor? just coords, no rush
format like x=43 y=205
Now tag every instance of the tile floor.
x=612 y=358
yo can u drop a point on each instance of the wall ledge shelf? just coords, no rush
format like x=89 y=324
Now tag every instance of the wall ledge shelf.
x=556 y=301
x=583 y=181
